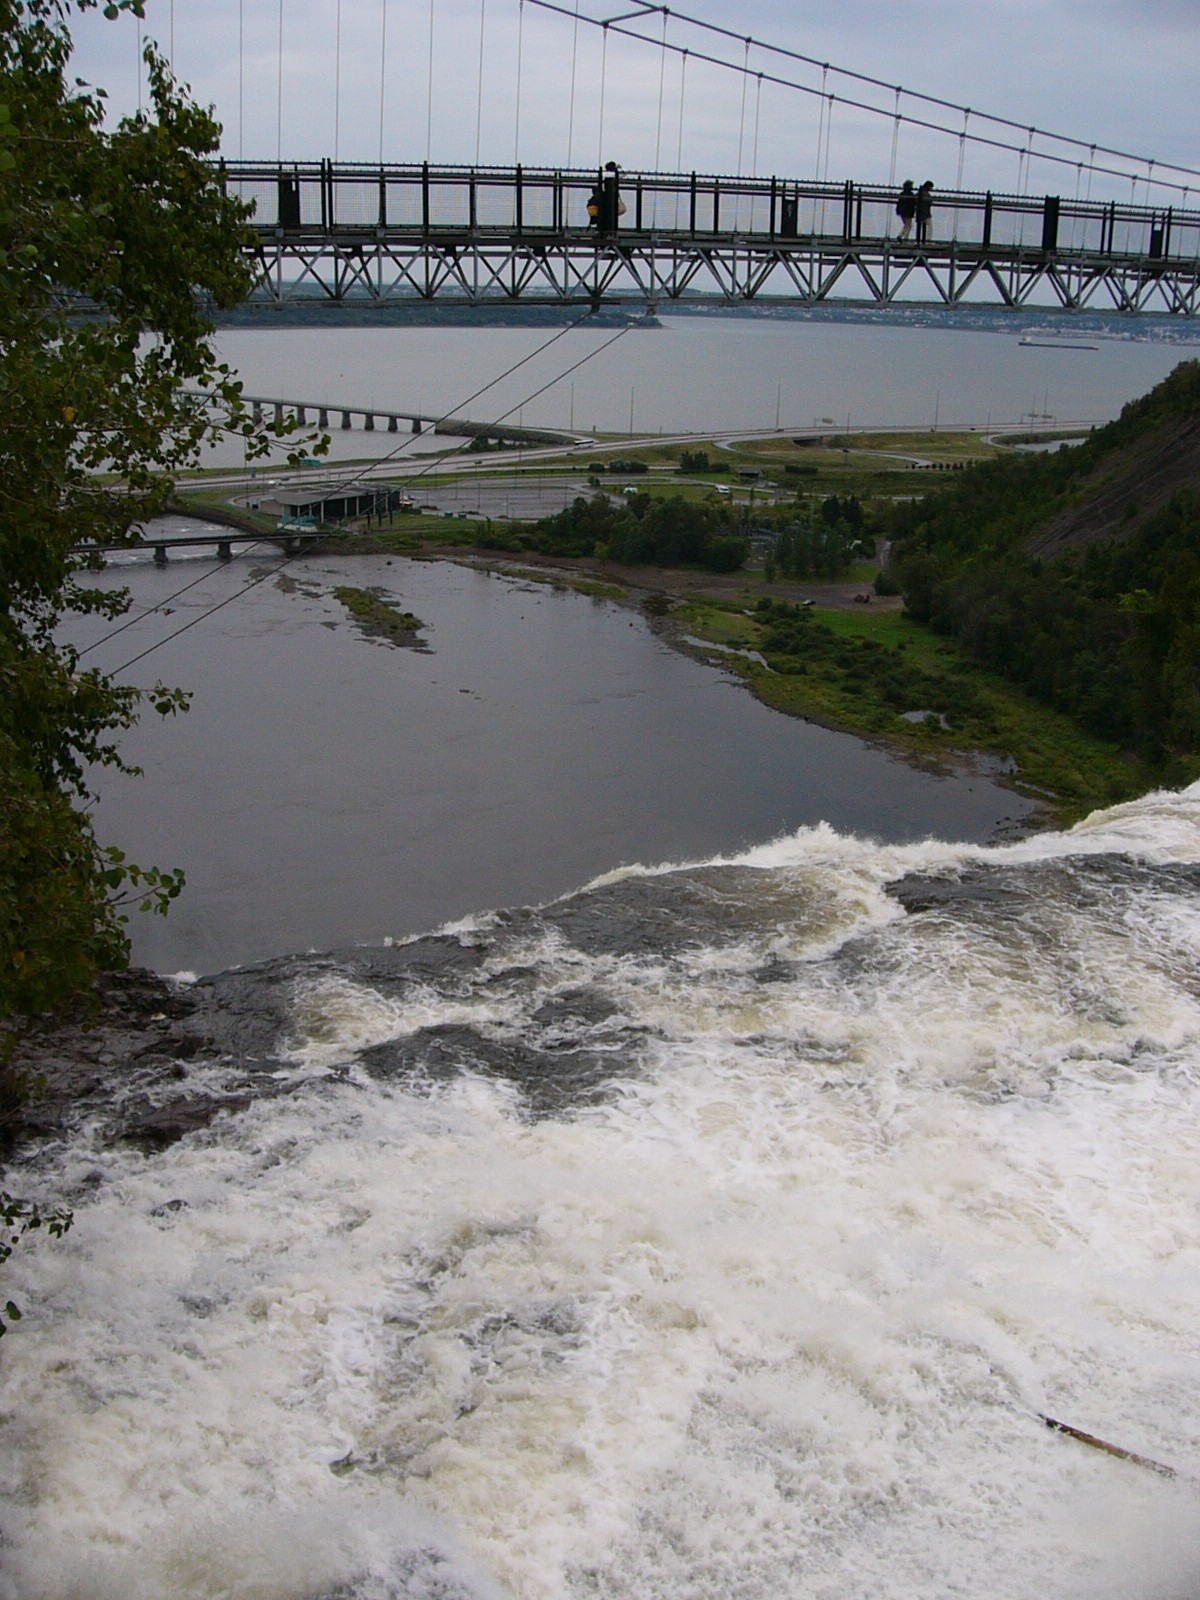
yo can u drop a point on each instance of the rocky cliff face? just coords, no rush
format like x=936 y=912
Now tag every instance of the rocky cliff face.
x=1134 y=482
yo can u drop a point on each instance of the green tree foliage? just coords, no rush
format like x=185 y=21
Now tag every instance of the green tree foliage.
x=640 y=530
x=1108 y=633
x=111 y=243
x=821 y=545
x=17 y=1218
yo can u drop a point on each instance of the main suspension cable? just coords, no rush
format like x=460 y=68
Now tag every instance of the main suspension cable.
x=877 y=110
x=649 y=10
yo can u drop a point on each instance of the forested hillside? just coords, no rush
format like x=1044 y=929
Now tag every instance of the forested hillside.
x=1077 y=574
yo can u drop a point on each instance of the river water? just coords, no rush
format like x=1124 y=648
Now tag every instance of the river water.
x=723 y=1228
x=326 y=788
x=701 y=373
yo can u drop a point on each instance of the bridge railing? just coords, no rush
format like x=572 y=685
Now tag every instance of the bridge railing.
x=321 y=201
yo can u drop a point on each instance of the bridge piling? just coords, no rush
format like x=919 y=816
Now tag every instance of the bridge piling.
x=416 y=424
x=323 y=417
x=369 y=421
x=160 y=555
x=345 y=419
x=224 y=550
x=393 y=426
x=301 y=413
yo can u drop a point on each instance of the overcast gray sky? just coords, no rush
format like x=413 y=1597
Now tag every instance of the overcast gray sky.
x=402 y=78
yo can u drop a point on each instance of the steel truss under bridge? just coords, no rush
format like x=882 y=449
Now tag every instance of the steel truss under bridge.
x=478 y=236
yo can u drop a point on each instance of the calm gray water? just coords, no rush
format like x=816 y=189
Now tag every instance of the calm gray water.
x=325 y=788
x=702 y=373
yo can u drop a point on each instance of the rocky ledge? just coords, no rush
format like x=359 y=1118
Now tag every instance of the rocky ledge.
x=123 y=1055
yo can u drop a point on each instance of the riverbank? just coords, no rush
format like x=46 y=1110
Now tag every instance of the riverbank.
x=1000 y=733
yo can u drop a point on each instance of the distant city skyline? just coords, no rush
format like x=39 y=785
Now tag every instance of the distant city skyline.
x=1116 y=74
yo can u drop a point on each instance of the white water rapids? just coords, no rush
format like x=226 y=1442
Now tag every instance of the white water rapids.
x=758 y=1293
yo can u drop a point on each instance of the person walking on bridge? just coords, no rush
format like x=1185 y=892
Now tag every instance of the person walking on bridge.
x=924 y=210
x=906 y=209
x=612 y=207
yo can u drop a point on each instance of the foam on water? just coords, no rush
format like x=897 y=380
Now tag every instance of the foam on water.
x=869 y=1189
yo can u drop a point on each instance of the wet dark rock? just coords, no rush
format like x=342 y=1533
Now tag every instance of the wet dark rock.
x=125 y=1056
x=131 y=1029
x=155 y=1127
x=551 y=1077
x=917 y=893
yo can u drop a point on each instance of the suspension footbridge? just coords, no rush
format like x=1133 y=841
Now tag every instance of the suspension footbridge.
x=756 y=172
x=330 y=234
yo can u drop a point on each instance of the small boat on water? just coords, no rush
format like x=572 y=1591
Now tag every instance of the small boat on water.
x=1033 y=342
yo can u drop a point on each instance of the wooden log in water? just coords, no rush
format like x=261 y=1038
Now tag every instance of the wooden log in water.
x=1110 y=1449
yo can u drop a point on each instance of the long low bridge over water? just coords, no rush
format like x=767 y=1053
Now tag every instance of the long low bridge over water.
x=325 y=413
x=336 y=234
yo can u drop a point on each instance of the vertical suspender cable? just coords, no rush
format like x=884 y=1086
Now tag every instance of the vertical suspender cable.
x=754 y=158
x=479 y=90
x=337 y=80
x=662 y=72
x=682 y=87
x=757 y=111
x=962 y=153
x=520 y=45
x=171 y=37
x=828 y=142
x=821 y=120
x=895 y=138
x=1074 y=218
x=1024 y=162
x=241 y=80
x=742 y=118
x=1132 y=198
x=139 y=65
x=603 y=73
x=279 y=93
x=683 y=60
x=383 y=76
x=662 y=75
x=571 y=113
x=429 y=106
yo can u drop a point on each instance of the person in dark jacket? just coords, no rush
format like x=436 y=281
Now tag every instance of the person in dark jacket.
x=924 y=210
x=906 y=208
x=612 y=206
